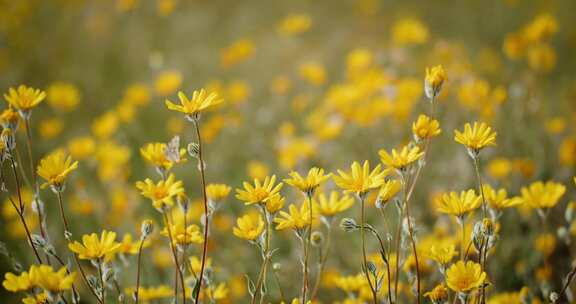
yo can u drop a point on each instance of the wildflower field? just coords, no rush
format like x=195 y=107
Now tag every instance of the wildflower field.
x=305 y=151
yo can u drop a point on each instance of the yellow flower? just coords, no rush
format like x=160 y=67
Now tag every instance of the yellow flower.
x=81 y=147
x=217 y=292
x=294 y=24
x=152 y=293
x=24 y=98
x=46 y=278
x=9 y=118
x=162 y=192
x=275 y=203
x=545 y=243
x=435 y=77
x=498 y=199
x=127 y=246
x=63 y=96
x=400 y=160
x=167 y=82
x=330 y=206
x=476 y=137
x=217 y=192
x=313 y=73
x=442 y=252
x=155 y=154
x=93 y=247
x=459 y=205
x=425 y=127
x=16 y=283
x=438 y=294
x=50 y=128
x=296 y=218
x=201 y=100
x=236 y=53
x=260 y=193
x=543 y=195
x=105 y=125
x=54 y=168
x=464 y=277
x=40 y=298
x=360 y=180
x=409 y=31
x=249 y=226
x=196 y=264
x=309 y=183
x=181 y=236
x=388 y=191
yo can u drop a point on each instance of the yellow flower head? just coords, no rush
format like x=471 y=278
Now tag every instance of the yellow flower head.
x=63 y=96
x=464 y=277
x=40 y=298
x=152 y=293
x=275 y=203
x=309 y=183
x=438 y=294
x=330 y=206
x=196 y=264
x=16 y=283
x=46 y=278
x=24 y=98
x=93 y=247
x=249 y=226
x=161 y=193
x=201 y=100
x=296 y=218
x=388 y=191
x=435 y=77
x=218 y=292
x=425 y=127
x=459 y=205
x=9 y=118
x=155 y=154
x=400 y=160
x=543 y=195
x=545 y=243
x=442 y=252
x=55 y=167
x=260 y=193
x=360 y=179
x=476 y=137
x=294 y=24
x=498 y=199
x=217 y=192
x=81 y=147
x=184 y=235
x=409 y=31
x=128 y=246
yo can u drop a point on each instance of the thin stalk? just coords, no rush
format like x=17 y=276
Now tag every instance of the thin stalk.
x=484 y=214
x=206 y=225
x=265 y=258
x=307 y=250
x=323 y=259
x=413 y=241
x=364 y=259
x=175 y=257
x=66 y=235
x=384 y=251
x=139 y=266
x=101 y=277
x=463 y=239
x=282 y=297
x=398 y=245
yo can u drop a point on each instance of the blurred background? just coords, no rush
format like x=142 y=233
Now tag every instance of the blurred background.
x=306 y=83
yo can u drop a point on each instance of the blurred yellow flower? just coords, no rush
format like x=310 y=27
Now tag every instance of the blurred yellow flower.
x=401 y=159
x=9 y=118
x=16 y=283
x=542 y=27
x=161 y=193
x=94 y=248
x=201 y=100
x=425 y=127
x=409 y=31
x=309 y=183
x=465 y=276
x=167 y=82
x=249 y=226
x=196 y=264
x=105 y=125
x=152 y=293
x=542 y=195
x=388 y=191
x=459 y=204
x=81 y=147
x=313 y=73
x=24 y=98
x=476 y=137
x=360 y=179
x=499 y=168
x=217 y=292
x=217 y=192
x=260 y=193
x=545 y=243
x=63 y=96
x=237 y=53
x=55 y=167
x=334 y=204
x=294 y=24
x=184 y=235
x=50 y=128
x=442 y=252
x=438 y=294
x=541 y=57
x=40 y=298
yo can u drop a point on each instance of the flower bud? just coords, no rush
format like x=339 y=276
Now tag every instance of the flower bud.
x=146 y=228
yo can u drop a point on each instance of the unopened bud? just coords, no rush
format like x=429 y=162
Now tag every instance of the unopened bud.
x=147 y=228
